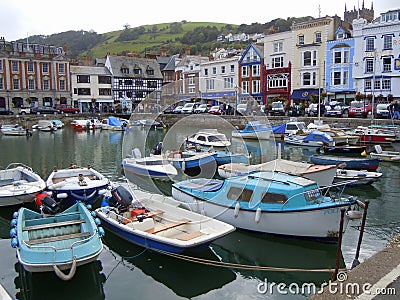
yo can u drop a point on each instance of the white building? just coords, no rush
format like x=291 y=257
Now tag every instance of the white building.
x=377 y=56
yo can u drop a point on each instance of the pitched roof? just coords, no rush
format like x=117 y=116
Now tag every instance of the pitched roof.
x=118 y=62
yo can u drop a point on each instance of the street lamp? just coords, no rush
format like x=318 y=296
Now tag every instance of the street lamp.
x=8 y=99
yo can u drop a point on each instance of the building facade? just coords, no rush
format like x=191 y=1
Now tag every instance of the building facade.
x=33 y=75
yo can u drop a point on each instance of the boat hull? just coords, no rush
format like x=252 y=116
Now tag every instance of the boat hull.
x=293 y=224
x=369 y=164
x=164 y=171
x=257 y=135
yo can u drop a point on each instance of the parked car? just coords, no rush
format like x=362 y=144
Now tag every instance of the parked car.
x=23 y=110
x=277 y=109
x=202 y=108
x=215 y=110
x=5 y=111
x=189 y=108
x=359 y=109
x=177 y=110
x=63 y=108
x=44 y=110
x=382 y=110
x=335 y=110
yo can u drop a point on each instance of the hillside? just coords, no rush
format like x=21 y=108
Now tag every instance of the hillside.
x=175 y=37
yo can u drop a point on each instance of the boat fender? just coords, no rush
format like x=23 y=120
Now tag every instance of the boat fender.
x=354 y=214
x=183 y=165
x=258 y=215
x=13 y=232
x=15 y=215
x=62 y=196
x=93 y=214
x=203 y=212
x=14 y=222
x=14 y=242
x=101 y=231
x=237 y=208
x=89 y=207
x=63 y=276
x=97 y=221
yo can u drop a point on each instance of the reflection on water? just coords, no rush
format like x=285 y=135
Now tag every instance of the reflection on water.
x=87 y=284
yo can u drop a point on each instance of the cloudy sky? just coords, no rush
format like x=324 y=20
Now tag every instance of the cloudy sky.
x=18 y=19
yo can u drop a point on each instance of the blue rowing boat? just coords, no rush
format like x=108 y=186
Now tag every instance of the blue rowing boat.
x=347 y=162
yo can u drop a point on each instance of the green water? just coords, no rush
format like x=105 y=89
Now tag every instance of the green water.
x=125 y=271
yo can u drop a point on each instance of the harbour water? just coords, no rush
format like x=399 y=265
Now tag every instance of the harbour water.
x=125 y=271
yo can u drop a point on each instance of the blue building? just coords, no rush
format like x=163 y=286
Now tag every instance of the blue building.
x=339 y=67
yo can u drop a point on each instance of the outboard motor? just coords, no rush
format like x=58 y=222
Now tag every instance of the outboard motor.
x=157 y=149
x=120 y=198
x=50 y=206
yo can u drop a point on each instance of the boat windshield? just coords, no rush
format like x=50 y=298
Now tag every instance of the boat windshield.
x=217 y=138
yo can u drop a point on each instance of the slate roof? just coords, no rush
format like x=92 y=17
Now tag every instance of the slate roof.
x=85 y=70
x=118 y=62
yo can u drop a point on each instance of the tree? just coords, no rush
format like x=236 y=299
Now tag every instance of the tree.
x=127 y=26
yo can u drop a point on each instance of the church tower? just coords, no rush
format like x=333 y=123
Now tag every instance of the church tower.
x=363 y=12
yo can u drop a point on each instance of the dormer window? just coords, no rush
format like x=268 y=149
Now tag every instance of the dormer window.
x=124 y=70
x=137 y=70
x=149 y=71
x=340 y=36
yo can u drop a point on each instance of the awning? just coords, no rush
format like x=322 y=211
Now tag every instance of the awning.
x=303 y=94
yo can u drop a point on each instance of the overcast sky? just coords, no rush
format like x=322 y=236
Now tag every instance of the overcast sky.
x=21 y=18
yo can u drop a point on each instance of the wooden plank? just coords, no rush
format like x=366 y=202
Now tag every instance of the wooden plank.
x=145 y=216
x=167 y=226
x=190 y=236
x=51 y=225
x=59 y=238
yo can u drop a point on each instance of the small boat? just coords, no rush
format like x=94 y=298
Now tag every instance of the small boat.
x=154 y=166
x=313 y=139
x=190 y=162
x=208 y=138
x=76 y=184
x=322 y=174
x=15 y=130
x=58 y=123
x=291 y=127
x=340 y=136
x=55 y=243
x=343 y=149
x=86 y=124
x=158 y=225
x=46 y=125
x=373 y=135
x=152 y=124
x=356 y=177
x=19 y=184
x=389 y=156
x=114 y=123
x=254 y=130
x=347 y=162
x=223 y=157
x=268 y=202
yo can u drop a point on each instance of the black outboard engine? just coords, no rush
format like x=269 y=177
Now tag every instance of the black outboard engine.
x=157 y=149
x=120 y=198
x=50 y=206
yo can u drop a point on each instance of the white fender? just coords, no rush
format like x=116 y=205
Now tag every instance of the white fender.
x=237 y=207
x=258 y=215
x=183 y=165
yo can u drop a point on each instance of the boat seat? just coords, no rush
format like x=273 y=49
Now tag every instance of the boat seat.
x=167 y=226
x=51 y=225
x=59 y=238
x=146 y=224
x=190 y=236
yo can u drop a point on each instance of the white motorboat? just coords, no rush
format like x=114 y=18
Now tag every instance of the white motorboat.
x=384 y=155
x=19 y=184
x=313 y=139
x=114 y=124
x=15 y=130
x=86 y=124
x=46 y=125
x=254 y=130
x=356 y=177
x=208 y=138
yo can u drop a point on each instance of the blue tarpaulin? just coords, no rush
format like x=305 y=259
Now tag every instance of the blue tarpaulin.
x=279 y=129
x=113 y=121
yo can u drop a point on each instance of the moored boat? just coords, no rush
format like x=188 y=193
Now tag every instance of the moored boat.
x=347 y=162
x=313 y=139
x=385 y=155
x=86 y=124
x=58 y=242
x=373 y=135
x=268 y=202
x=253 y=130
x=15 y=130
x=356 y=177
x=208 y=138
x=114 y=124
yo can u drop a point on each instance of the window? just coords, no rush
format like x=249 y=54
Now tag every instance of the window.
x=346 y=55
x=15 y=84
x=1 y=84
x=150 y=71
x=105 y=92
x=369 y=65
x=62 y=85
x=245 y=71
x=15 y=66
x=336 y=78
x=338 y=57
x=239 y=194
x=31 y=84
x=278 y=46
x=387 y=64
x=29 y=67
x=386 y=85
x=136 y=70
x=124 y=70
x=387 y=42
x=341 y=56
x=223 y=69
x=128 y=82
x=377 y=84
x=301 y=40
x=318 y=37
x=277 y=81
x=273 y=198
x=46 y=85
x=307 y=78
x=84 y=91
x=83 y=78
x=245 y=87
x=104 y=80
x=152 y=84
x=277 y=62
x=256 y=70
x=256 y=86
x=1 y=65
x=232 y=68
x=45 y=68
x=228 y=82
x=191 y=80
x=210 y=84
x=367 y=84
x=205 y=72
x=214 y=70
x=369 y=44
x=345 y=77
x=307 y=58
x=61 y=68
x=137 y=82
x=340 y=36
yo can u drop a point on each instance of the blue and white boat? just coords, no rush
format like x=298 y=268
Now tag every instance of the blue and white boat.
x=347 y=162
x=191 y=161
x=268 y=202
x=254 y=130
x=315 y=138
x=209 y=138
x=55 y=243
x=114 y=123
x=77 y=184
x=155 y=224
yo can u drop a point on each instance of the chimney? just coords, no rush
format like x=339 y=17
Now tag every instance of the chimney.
x=187 y=50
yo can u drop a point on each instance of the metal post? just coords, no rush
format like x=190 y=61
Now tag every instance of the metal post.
x=356 y=262
x=339 y=246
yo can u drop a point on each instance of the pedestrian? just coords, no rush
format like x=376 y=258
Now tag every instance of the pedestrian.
x=396 y=109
